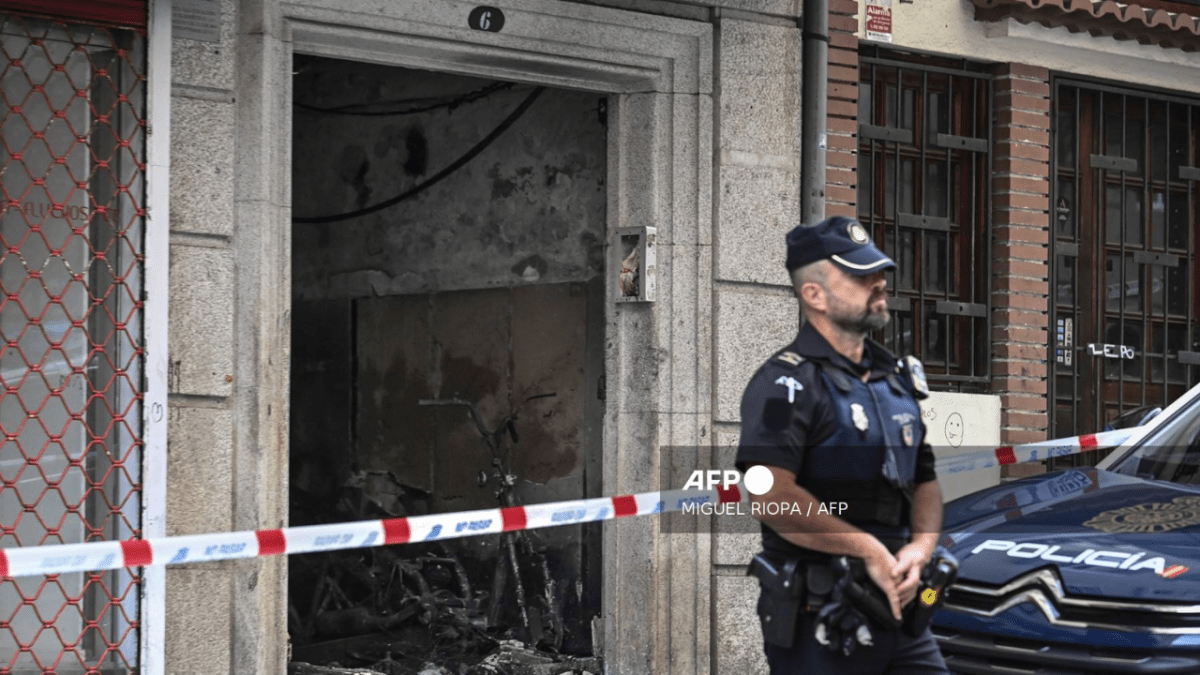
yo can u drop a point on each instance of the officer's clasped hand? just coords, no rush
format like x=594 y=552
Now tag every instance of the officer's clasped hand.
x=880 y=573
x=906 y=575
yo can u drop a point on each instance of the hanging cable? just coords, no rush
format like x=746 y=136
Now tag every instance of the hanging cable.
x=469 y=97
x=454 y=166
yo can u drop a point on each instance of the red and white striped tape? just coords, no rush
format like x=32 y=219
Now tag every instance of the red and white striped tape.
x=104 y=555
x=1032 y=452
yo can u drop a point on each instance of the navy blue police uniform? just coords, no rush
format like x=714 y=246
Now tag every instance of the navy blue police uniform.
x=809 y=411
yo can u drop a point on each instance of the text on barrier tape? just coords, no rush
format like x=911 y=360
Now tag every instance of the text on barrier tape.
x=1031 y=452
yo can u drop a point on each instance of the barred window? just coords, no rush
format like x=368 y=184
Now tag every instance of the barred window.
x=1124 y=336
x=923 y=192
x=71 y=373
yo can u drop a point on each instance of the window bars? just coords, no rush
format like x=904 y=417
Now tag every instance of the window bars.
x=71 y=338
x=1123 y=271
x=924 y=190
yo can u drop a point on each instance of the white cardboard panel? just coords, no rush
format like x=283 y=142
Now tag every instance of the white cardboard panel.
x=959 y=423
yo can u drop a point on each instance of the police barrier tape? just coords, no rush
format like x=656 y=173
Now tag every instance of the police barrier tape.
x=104 y=555
x=1031 y=452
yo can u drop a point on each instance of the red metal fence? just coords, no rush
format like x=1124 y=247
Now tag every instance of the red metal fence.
x=71 y=351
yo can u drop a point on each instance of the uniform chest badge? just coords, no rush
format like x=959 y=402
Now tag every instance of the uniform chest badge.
x=859 y=417
x=906 y=433
x=917 y=371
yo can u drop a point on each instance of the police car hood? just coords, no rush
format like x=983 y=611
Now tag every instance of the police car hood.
x=1107 y=534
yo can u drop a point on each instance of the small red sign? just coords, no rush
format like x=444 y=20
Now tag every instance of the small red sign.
x=879 y=19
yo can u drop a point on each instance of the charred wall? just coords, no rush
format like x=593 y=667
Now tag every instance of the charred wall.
x=528 y=209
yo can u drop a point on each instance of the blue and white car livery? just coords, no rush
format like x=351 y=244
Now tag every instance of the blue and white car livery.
x=1090 y=570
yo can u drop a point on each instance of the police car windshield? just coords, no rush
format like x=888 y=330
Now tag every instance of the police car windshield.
x=1170 y=453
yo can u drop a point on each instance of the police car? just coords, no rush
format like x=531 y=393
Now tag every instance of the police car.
x=1089 y=570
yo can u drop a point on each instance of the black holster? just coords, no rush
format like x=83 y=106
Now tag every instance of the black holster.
x=782 y=584
x=937 y=575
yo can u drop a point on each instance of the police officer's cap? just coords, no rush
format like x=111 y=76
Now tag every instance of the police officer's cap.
x=843 y=241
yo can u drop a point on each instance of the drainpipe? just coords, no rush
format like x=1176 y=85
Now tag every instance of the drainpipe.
x=813 y=126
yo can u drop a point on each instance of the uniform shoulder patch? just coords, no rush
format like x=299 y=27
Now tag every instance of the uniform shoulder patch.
x=917 y=371
x=791 y=385
x=790 y=357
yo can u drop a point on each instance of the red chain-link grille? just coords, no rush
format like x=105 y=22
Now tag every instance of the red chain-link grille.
x=71 y=253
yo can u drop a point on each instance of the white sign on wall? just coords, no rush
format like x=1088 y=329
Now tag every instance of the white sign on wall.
x=961 y=423
x=196 y=20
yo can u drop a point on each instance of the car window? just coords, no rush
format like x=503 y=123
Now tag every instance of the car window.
x=1171 y=454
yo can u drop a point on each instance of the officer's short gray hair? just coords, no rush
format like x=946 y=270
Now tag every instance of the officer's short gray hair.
x=814 y=272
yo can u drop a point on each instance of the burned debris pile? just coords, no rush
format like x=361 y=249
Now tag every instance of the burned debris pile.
x=509 y=657
x=428 y=608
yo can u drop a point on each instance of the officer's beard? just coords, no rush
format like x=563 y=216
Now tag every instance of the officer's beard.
x=859 y=323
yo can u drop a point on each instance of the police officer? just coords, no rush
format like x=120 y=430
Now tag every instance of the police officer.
x=834 y=417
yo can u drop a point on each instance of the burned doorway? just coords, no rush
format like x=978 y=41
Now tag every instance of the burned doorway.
x=480 y=282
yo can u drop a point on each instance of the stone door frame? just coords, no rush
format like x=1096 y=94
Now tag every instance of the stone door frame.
x=658 y=356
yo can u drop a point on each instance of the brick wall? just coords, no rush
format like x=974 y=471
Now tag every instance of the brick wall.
x=1021 y=222
x=841 y=183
